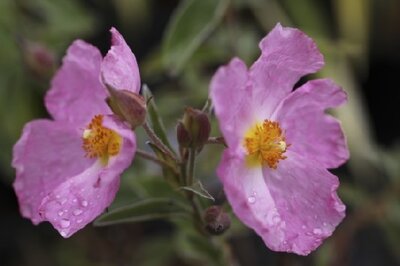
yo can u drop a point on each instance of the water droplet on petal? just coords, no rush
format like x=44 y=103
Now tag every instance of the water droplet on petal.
x=63 y=233
x=60 y=213
x=84 y=203
x=74 y=200
x=62 y=201
x=276 y=219
x=65 y=223
x=339 y=207
x=77 y=212
x=317 y=231
x=251 y=199
x=79 y=221
x=303 y=226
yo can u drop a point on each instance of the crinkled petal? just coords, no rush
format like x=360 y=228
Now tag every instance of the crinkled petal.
x=47 y=154
x=119 y=68
x=287 y=55
x=62 y=186
x=76 y=93
x=229 y=92
x=311 y=133
x=306 y=199
x=80 y=199
x=293 y=208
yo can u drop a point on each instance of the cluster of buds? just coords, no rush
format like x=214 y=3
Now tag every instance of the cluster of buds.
x=193 y=130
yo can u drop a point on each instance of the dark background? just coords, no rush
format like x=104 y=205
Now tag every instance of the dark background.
x=363 y=52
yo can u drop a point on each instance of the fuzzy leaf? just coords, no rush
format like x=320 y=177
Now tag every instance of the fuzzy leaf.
x=190 y=25
x=143 y=210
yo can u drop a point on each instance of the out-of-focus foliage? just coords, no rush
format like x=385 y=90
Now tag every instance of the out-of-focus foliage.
x=197 y=37
x=25 y=25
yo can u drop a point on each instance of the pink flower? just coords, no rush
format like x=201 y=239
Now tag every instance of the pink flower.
x=281 y=143
x=68 y=168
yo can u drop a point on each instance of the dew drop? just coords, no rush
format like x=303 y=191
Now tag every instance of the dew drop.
x=77 y=212
x=60 y=213
x=276 y=219
x=79 y=221
x=317 y=231
x=340 y=207
x=65 y=223
x=74 y=200
x=63 y=233
x=84 y=203
x=62 y=201
x=251 y=199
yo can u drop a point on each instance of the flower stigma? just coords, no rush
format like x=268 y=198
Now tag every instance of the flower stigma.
x=99 y=141
x=265 y=144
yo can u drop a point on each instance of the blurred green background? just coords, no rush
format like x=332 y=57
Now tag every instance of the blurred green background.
x=179 y=45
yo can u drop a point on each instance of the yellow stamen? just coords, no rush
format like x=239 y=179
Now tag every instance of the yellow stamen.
x=265 y=144
x=99 y=141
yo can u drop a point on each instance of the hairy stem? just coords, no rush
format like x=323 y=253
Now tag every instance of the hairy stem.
x=156 y=141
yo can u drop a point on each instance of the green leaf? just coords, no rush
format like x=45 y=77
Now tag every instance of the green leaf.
x=198 y=189
x=143 y=210
x=192 y=22
x=154 y=116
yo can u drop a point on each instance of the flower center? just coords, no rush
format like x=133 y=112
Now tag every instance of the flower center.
x=265 y=144
x=99 y=141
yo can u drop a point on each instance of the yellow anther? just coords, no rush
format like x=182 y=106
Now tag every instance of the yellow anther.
x=99 y=141
x=265 y=144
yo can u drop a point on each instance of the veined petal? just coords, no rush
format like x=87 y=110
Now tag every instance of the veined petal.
x=119 y=67
x=305 y=197
x=229 y=92
x=54 y=188
x=293 y=208
x=76 y=93
x=287 y=55
x=250 y=198
x=47 y=154
x=311 y=133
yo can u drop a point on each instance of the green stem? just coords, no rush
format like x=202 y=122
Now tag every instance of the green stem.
x=156 y=141
x=151 y=157
x=190 y=174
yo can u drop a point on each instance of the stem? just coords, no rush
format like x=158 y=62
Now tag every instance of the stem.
x=192 y=159
x=151 y=157
x=156 y=140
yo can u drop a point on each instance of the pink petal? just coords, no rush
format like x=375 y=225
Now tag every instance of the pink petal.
x=229 y=92
x=311 y=133
x=292 y=208
x=76 y=93
x=53 y=188
x=47 y=154
x=119 y=67
x=287 y=55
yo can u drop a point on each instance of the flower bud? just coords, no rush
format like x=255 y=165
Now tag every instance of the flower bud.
x=39 y=59
x=217 y=220
x=194 y=129
x=127 y=105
